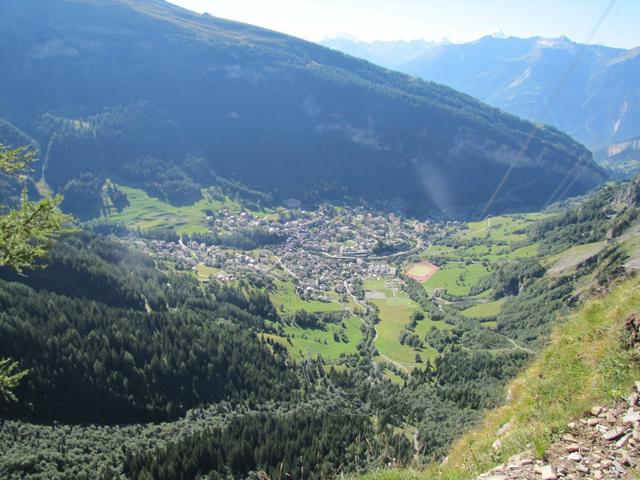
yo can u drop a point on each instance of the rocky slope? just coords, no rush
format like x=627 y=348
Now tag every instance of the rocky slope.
x=601 y=445
x=620 y=160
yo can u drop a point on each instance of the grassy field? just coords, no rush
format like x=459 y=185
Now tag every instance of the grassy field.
x=309 y=343
x=285 y=299
x=507 y=228
x=584 y=365
x=147 y=212
x=456 y=278
x=491 y=240
x=204 y=272
x=523 y=252
x=396 y=309
x=483 y=310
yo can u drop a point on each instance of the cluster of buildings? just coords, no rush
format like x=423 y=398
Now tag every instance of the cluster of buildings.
x=330 y=249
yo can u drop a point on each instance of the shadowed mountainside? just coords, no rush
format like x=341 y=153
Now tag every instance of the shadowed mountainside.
x=152 y=95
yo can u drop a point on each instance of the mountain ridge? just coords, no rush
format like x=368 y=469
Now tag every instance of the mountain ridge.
x=585 y=90
x=142 y=90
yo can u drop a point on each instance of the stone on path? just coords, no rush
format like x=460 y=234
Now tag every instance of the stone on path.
x=548 y=473
x=614 y=434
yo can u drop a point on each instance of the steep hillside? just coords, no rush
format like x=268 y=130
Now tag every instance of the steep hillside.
x=587 y=91
x=151 y=95
x=592 y=360
x=620 y=160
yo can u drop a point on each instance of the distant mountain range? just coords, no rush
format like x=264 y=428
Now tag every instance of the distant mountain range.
x=148 y=94
x=389 y=54
x=588 y=91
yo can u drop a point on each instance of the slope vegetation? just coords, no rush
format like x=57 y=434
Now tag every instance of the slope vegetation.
x=588 y=362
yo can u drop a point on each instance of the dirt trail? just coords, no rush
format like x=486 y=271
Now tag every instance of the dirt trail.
x=520 y=347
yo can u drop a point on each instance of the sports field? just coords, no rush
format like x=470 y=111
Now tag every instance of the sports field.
x=421 y=271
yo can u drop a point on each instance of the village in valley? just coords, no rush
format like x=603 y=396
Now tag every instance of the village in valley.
x=355 y=269
x=328 y=250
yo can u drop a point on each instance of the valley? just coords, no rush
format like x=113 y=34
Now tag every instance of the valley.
x=350 y=263
x=353 y=315
x=230 y=253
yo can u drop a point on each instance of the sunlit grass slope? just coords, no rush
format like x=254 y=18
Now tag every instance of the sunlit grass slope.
x=584 y=365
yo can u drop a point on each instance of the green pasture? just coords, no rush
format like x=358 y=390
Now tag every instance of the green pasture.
x=284 y=298
x=309 y=343
x=484 y=310
x=507 y=228
x=395 y=314
x=456 y=278
x=147 y=212
x=204 y=271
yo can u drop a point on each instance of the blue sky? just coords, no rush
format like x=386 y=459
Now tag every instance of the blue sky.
x=457 y=20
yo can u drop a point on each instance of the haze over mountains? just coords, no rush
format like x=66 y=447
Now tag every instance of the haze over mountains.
x=388 y=54
x=587 y=91
x=152 y=95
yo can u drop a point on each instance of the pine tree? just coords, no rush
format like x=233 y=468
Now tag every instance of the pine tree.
x=25 y=234
x=10 y=377
x=27 y=231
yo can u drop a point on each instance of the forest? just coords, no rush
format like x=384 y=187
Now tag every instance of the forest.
x=138 y=370
x=109 y=339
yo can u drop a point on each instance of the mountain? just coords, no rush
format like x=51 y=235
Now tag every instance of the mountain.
x=587 y=91
x=620 y=160
x=147 y=94
x=389 y=54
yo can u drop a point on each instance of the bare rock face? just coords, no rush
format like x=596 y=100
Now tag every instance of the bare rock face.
x=605 y=444
x=630 y=196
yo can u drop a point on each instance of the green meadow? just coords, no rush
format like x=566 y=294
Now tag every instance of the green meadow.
x=284 y=298
x=396 y=309
x=456 y=278
x=147 y=212
x=509 y=228
x=484 y=310
x=204 y=271
x=309 y=343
